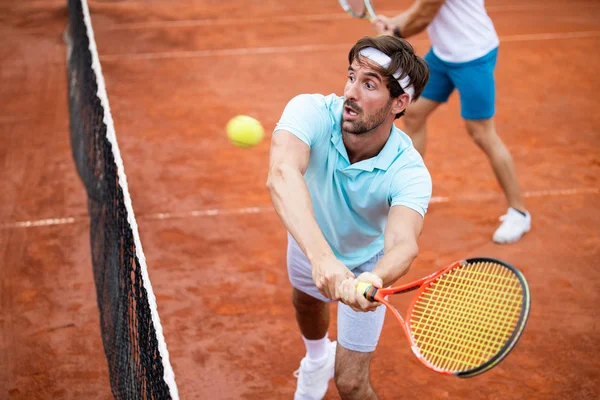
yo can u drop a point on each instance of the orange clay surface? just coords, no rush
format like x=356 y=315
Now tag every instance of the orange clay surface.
x=176 y=72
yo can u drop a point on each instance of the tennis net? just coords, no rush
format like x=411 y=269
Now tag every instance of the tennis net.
x=137 y=356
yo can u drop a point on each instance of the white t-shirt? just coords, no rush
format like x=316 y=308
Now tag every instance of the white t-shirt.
x=462 y=31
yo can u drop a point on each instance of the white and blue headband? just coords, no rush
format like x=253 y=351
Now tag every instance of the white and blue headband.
x=384 y=61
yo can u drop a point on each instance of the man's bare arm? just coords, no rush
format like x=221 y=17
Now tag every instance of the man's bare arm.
x=400 y=241
x=402 y=231
x=290 y=196
x=410 y=22
x=291 y=199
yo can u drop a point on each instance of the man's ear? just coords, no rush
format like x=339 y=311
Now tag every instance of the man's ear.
x=400 y=103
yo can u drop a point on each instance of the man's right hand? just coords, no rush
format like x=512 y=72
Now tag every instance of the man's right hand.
x=382 y=24
x=356 y=300
x=328 y=274
x=385 y=25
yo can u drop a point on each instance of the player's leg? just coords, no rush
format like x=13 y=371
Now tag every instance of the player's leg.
x=352 y=375
x=438 y=89
x=475 y=83
x=483 y=132
x=517 y=220
x=415 y=122
x=358 y=335
x=312 y=315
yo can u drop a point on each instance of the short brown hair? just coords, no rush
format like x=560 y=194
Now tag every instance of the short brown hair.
x=403 y=57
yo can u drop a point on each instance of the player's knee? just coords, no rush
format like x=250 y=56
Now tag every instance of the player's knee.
x=351 y=385
x=414 y=119
x=481 y=131
x=304 y=303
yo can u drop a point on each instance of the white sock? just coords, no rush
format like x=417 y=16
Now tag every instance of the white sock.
x=316 y=351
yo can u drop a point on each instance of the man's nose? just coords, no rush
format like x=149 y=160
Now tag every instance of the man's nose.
x=351 y=91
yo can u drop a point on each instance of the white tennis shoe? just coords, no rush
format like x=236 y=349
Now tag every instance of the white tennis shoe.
x=514 y=225
x=312 y=383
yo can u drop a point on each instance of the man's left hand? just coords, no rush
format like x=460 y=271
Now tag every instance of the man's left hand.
x=353 y=298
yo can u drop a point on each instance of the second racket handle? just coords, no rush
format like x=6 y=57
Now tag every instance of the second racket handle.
x=367 y=290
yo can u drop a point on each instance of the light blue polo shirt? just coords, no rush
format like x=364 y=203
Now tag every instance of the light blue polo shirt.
x=352 y=201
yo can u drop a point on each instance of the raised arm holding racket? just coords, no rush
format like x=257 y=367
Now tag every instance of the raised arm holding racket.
x=364 y=9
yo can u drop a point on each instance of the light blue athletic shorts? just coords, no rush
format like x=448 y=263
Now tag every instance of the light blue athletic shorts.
x=357 y=331
x=473 y=79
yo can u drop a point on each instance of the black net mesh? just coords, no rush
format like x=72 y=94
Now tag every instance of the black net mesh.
x=131 y=344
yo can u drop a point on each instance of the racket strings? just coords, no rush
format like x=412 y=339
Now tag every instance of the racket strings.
x=468 y=323
x=485 y=308
x=442 y=344
x=465 y=317
x=444 y=347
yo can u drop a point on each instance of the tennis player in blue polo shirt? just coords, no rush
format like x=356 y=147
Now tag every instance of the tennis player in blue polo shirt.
x=352 y=192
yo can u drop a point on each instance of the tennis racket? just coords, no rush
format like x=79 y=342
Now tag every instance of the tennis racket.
x=465 y=318
x=363 y=9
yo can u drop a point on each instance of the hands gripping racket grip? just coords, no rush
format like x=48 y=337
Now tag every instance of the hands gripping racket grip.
x=367 y=290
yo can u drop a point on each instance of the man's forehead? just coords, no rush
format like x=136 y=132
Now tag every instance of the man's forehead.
x=366 y=65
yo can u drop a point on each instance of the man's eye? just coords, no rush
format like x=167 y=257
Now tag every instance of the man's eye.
x=370 y=85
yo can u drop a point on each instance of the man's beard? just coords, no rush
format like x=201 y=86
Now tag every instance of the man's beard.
x=364 y=124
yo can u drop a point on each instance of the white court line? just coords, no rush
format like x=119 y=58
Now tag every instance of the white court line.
x=267 y=209
x=208 y=213
x=39 y=222
x=530 y=194
x=225 y=52
x=322 y=47
x=225 y=21
x=538 y=6
x=549 y=36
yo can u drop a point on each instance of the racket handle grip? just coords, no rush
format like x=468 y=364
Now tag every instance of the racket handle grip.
x=397 y=32
x=367 y=290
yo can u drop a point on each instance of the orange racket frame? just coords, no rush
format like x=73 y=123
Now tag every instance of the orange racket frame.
x=379 y=295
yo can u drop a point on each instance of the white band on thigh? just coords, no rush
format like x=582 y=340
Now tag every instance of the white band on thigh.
x=384 y=60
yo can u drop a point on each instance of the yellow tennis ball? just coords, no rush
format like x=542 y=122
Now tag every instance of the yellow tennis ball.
x=245 y=131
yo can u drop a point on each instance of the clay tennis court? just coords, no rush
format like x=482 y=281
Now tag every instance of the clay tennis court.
x=176 y=72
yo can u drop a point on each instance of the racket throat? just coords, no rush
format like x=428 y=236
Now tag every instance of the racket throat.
x=371 y=294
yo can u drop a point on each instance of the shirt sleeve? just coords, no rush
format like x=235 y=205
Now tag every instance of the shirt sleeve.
x=306 y=117
x=412 y=187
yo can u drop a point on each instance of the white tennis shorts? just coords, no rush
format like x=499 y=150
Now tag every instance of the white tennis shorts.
x=357 y=331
